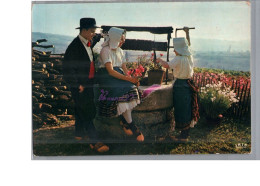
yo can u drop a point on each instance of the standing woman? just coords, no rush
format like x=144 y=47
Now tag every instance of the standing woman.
x=185 y=93
x=118 y=91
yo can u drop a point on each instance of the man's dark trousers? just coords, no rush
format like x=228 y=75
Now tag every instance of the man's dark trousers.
x=85 y=112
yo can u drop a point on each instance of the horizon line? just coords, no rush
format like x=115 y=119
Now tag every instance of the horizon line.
x=158 y=40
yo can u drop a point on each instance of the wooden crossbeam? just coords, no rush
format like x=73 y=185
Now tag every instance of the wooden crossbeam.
x=153 y=30
x=144 y=45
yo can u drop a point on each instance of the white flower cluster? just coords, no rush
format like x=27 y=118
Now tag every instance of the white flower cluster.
x=219 y=85
x=213 y=99
x=221 y=89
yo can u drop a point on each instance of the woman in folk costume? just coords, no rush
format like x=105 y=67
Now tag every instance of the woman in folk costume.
x=185 y=93
x=118 y=91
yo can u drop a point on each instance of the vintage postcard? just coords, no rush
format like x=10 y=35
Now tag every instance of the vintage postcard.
x=146 y=78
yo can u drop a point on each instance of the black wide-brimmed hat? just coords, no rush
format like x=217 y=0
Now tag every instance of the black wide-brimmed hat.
x=87 y=23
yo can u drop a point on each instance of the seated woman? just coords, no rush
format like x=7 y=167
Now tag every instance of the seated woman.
x=185 y=93
x=119 y=94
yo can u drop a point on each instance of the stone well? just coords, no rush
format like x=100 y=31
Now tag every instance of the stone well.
x=153 y=116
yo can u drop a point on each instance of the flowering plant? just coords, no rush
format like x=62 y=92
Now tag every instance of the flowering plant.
x=213 y=76
x=137 y=72
x=216 y=99
x=139 y=67
x=154 y=65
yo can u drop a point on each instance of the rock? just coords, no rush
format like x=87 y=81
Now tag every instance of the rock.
x=149 y=118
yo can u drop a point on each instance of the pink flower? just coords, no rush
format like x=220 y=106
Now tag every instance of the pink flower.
x=130 y=72
x=141 y=68
x=137 y=71
x=138 y=74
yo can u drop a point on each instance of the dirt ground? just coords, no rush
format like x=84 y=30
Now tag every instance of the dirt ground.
x=231 y=136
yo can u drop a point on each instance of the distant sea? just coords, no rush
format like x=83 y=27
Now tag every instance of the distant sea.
x=59 y=41
x=227 y=55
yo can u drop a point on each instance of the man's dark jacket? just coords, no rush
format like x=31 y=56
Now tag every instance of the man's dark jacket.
x=76 y=67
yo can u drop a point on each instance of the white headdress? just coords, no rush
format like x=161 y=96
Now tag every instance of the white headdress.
x=181 y=46
x=113 y=37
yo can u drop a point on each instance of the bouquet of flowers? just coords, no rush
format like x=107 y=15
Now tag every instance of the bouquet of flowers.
x=137 y=72
x=216 y=99
x=139 y=67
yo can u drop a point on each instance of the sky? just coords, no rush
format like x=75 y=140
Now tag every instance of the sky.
x=212 y=20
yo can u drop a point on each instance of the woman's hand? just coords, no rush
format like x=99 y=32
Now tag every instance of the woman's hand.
x=117 y=75
x=186 y=29
x=134 y=80
x=163 y=63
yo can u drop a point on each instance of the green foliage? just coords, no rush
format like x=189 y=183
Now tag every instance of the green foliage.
x=155 y=66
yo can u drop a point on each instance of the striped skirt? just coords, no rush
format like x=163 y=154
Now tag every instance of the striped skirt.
x=115 y=96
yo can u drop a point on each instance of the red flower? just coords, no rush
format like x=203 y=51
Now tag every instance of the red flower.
x=137 y=71
x=139 y=74
x=141 y=68
x=161 y=54
x=130 y=72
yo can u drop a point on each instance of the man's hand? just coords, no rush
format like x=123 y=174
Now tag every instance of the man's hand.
x=81 y=89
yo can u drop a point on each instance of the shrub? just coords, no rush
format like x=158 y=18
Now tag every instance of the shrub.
x=216 y=99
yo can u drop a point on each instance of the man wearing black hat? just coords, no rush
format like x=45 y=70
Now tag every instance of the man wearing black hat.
x=79 y=73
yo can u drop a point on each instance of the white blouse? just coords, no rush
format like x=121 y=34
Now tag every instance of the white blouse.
x=116 y=57
x=182 y=67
